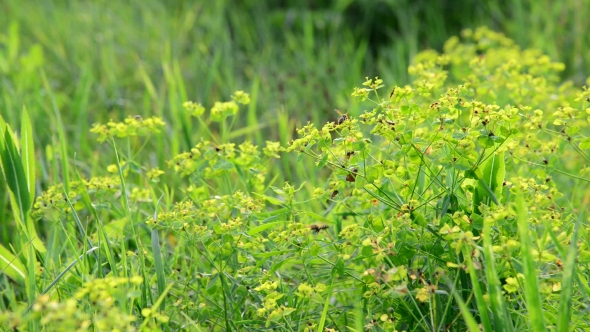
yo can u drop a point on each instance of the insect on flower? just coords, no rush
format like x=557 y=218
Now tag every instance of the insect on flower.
x=351 y=177
x=318 y=228
x=559 y=263
x=342 y=118
x=334 y=193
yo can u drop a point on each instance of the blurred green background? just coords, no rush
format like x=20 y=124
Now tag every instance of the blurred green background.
x=73 y=63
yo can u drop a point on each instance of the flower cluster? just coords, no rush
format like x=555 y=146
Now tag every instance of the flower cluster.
x=193 y=109
x=415 y=198
x=483 y=123
x=210 y=161
x=54 y=200
x=271 y=308
x=106 y=296
x=130 y=127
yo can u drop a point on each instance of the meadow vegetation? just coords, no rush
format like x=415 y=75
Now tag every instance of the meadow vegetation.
x=450 y=193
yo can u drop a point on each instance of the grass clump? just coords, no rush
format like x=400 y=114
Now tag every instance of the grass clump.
x=454 y=203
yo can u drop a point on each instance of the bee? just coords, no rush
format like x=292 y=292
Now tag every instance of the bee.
x=559 y=263
x=370 y=325
x=390 y=123
x=351 y=177
x=417 y=275
x=334 y=193
x=318 y=228
x=343 y=117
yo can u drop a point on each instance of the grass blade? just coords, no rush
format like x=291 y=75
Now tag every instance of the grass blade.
x=326 y=305
x=157 y=303
x=567 y=282
x=159 y=265
x=79 y=224
x=11 y=265
x=103 y=239
x=27 y=147
x=28 y=153
x=60 y=131
x=14 y=174
x=469 y=320
x=479 y=300
x=531 y=284
x=498 y=304
x=62 y=273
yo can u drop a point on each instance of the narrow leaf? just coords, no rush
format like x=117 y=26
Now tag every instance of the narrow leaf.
x=567 y=282
x=467 y=316
x=28 y=152
x=15 y=173
x=498 y=304
x=62 y=273
x=531 y=284
x=479 y=300
x=159 y=266
x=491 y=181
x=263 y=227
x=326 y=306
x=11 y=266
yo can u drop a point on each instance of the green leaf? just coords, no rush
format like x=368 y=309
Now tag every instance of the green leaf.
x=367 y=251
x=406 y=137
x=477 y=222
x=490 y=184
x=11 y=266
x=485 y=141
x=14 y=173
x=418 y=218
x=318 y=217
x=263 y=227
x=272 y=253
x=585 y=143
x=314 y=249
x=322 y=162
x=280 y=263
x=272 y=200
x=445 y=204
x=17 y=180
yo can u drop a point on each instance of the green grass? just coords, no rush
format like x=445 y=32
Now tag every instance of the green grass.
x=221 y=240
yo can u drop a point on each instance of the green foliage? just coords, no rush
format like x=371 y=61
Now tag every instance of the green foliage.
x=413 y=215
